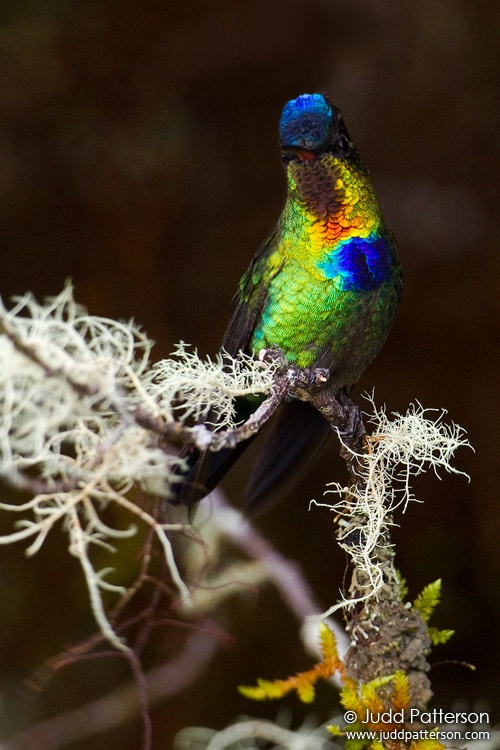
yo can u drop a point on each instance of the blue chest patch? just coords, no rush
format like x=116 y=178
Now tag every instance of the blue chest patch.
x=363 y=263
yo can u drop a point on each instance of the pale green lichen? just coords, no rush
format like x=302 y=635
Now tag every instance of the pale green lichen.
x=70 y=386
x=401 y=446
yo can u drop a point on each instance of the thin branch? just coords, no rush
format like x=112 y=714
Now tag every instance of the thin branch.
x=121 y=705
x=284 y=573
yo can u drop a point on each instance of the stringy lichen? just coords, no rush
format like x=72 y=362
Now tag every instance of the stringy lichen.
x=70 y=386
x=400 y=447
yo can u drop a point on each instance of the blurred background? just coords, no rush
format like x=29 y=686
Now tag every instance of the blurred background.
x=139 y=157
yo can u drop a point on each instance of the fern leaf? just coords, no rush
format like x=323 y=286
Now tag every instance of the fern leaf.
x=428 y=599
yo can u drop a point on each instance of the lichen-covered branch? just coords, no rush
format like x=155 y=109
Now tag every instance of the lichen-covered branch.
x=386 y=634
x=85 y=419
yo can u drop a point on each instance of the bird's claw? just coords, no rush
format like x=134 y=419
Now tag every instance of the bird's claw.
x=354 y=428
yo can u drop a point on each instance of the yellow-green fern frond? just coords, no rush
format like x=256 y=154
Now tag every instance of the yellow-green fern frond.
x=428 y=599
x=303 y=682
x=438 y=637
x=400 y=699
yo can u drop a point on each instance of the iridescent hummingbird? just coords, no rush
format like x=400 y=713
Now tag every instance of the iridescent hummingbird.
x=324 y=288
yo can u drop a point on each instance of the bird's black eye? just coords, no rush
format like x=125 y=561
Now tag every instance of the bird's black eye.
x=343 y=146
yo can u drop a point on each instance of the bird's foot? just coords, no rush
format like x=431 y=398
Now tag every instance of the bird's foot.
x=307 y=379
x=353 y=429
x=273 y=356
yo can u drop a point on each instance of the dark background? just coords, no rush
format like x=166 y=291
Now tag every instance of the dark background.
x=139 y=157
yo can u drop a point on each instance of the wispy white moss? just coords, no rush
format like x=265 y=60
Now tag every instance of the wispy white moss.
x=70 y=386
x=185 y=386
x=401 y=446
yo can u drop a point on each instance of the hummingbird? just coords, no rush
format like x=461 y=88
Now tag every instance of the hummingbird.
x=324 y=288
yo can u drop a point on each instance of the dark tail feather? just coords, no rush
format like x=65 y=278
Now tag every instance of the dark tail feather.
x=297 y=435
x=205 y=471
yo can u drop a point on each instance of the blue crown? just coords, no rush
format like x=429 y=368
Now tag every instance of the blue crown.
x=305 y=122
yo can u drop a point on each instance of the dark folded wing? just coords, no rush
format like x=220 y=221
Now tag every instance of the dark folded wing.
x=207 y=469
x=250 y=300
x=297 y=434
